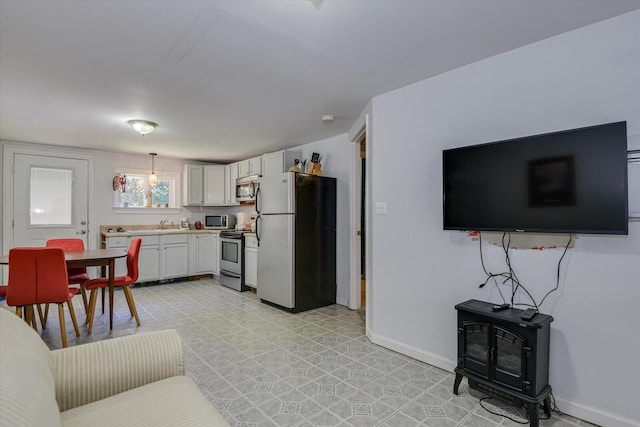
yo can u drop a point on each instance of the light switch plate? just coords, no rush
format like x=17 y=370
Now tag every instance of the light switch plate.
x=381 y=208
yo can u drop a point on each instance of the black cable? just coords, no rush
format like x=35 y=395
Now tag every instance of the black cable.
x=514 y=278
x=558 y=273
x=499 y=414
x=510 y=276
x=489 y=274
x=508 y=262
x=552 y=408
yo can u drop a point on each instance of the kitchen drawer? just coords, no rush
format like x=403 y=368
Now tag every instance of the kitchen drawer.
x=251 y=242
x=117 y=242
x=169 y=239
x=150 y=240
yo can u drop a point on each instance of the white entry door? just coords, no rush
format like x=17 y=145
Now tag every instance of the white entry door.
x=49 y=199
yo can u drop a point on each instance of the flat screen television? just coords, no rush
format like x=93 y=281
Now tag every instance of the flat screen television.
x=572 y=181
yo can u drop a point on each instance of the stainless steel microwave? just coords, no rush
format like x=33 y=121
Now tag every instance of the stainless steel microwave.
x=246 y=188
x=219 y=222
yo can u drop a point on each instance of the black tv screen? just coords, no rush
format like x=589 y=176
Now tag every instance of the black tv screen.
x=572 y=181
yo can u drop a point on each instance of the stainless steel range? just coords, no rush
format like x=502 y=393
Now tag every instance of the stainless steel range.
x=232 y=260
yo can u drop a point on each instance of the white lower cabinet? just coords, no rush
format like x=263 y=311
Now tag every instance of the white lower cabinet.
x=204 y=253
x=251 y=261
x=174 y=256
x=149 y=259
x=121 y=243
x=168 y=256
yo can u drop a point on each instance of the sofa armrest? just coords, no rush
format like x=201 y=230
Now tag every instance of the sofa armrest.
x=90 y=372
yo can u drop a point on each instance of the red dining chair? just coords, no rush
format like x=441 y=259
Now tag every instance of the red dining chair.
x=39 y=276
x=75 y=276
x=122 y=281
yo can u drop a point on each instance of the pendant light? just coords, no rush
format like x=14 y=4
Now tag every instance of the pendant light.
x=153 y=178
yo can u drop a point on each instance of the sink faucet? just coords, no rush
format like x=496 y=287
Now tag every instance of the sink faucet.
x=162 y=223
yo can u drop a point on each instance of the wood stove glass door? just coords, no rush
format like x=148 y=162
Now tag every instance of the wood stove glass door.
x=508 y=366
x=476 y=338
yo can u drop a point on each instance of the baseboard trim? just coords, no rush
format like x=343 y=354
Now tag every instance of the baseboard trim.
x=594 y=415
x=416 y=353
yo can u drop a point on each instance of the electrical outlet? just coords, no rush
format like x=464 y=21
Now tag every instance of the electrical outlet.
x=381 y=208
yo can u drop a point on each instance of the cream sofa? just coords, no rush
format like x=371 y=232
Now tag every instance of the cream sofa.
x=135 y=380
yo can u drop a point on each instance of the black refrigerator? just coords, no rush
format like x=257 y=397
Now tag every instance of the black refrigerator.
x=296 y=231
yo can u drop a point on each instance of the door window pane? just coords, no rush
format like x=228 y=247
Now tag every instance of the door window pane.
x=509 y=352
x=51 y=196
x=477 y=339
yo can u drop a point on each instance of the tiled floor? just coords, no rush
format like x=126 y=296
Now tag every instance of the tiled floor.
x=260 y=366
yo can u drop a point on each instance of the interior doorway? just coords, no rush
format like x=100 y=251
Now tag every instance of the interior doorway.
x=363 y=246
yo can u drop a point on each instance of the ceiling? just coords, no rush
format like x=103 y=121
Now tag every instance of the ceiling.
x=227 y=80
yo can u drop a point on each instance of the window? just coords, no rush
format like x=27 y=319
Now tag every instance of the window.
x=51 y=196
x=136 y=192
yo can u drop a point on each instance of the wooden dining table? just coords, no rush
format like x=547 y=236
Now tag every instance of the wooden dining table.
x=92 y=258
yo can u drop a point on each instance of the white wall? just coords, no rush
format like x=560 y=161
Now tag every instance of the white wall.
x=335 y=161
x=585 y=77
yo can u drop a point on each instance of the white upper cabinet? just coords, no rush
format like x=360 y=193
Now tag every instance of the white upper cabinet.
x=250 y=167
x=193 y=185
x=209 y=185
x=216 y=185
x=231 y=173
x=279 y=162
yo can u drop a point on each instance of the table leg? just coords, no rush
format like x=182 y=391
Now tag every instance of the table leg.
x=112 y=272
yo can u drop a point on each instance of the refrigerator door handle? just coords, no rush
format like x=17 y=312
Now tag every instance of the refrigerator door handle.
x=258 y=229
x=257 y=204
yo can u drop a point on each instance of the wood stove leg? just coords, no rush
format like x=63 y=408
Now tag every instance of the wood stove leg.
x=547 y=407
x=456 y=384
x=532 y=412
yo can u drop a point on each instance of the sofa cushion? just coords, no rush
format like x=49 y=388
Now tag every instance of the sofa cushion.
x=27 y=395
x=170 y=402
x=87 y=373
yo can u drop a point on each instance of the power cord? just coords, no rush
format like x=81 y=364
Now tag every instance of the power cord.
x=553 y=409
x=558 y=272
x=499 y=414
x=510 y=275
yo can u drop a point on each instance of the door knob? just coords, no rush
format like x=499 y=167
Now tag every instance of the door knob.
x=82 y=232
x=83 y=222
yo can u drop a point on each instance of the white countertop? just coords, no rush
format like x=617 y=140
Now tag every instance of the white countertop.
x=156 y=232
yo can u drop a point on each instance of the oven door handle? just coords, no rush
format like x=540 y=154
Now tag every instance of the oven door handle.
x=233 y=275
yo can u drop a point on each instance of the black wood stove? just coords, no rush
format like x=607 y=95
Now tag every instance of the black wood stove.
x=505 y=356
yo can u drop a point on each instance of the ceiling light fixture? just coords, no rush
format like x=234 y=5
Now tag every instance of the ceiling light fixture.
x=328 y=118
x=143 y=127
x=153 y=178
